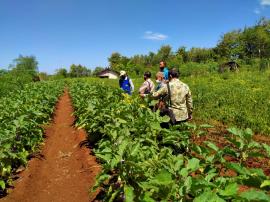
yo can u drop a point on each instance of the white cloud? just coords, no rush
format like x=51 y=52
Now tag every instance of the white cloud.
x=154 y=36
x=257 y=11
x=265 y=2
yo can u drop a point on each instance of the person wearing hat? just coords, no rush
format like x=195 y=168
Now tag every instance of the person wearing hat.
x=148 y=86
x=125 y=83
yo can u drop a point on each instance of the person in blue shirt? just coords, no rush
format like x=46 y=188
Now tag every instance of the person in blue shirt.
x=164 y=70
x=125 y=83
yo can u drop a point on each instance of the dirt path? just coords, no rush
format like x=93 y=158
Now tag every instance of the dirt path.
x=65 y=172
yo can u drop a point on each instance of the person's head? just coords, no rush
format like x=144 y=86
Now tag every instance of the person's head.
x=173 y=74
x=162 y=64
x=147 y=75
x=123 y=74
x=159 y=77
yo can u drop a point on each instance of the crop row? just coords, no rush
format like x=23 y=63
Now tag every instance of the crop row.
x=144 y=162
x=22 y=115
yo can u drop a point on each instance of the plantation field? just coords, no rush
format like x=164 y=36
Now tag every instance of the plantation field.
x=144 y=162
x=232 y=99
x=214 y=157
x=21 y=118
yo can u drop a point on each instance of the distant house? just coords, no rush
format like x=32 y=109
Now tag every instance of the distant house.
x=109 y=74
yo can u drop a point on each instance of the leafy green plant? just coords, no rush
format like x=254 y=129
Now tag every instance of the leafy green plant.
x=21 y=119
x=144 y=162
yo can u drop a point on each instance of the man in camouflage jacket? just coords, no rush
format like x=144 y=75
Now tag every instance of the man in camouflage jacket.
x=179 y=97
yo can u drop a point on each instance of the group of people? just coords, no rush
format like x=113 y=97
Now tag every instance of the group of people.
x=174 y=96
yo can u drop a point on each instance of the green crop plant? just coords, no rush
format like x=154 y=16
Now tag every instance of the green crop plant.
x=22 y=115
x=143 y=162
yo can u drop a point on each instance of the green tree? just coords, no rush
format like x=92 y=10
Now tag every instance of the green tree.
x=115 y=60
x=256 y=41
x=230 y=45
x=62 y=73
x=182 y=54
x=164 y=53
x=79 y=71
x=25 y=65
x=200 y=55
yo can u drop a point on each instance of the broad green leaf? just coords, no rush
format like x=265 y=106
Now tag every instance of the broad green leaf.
x=229 y=190
x=121 y=120
x=178 y=164
x=155 y=126
x=123 y=145
x=135 y=149
x=267 y=149
x=211 y=145
x=2 y=184
x=147 y=198
x=184 y=172
x=266 y=183
x=258 y=172
x=210 y=176
x=188 y=183
x=100 y=179
x=248 y=134
x=208 y=196
x=253 y=195
x=238 y=168
x=163 y=178
x=129 y=193
x=193 y=164
x=235 y=131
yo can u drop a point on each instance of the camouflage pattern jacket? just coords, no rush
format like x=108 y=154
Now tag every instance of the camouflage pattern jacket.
x=181 y=100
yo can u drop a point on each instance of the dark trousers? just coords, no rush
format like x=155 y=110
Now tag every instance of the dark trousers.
x=168 y=124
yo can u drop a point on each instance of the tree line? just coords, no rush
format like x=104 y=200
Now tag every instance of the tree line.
x=249 y=45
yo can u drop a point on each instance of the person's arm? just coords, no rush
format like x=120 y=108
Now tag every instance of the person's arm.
x=153 y=87
x=189 y=104
x=143 y=87
x=131 y=85
x=162 y=91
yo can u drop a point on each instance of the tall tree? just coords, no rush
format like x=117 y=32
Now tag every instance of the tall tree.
x=61 y=72
x=230 y=46
x=164 y=53
x=115 y=60
x=25 y=65
x=79 y=71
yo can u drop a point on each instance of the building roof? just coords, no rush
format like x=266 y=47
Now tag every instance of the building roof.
x=108 y=70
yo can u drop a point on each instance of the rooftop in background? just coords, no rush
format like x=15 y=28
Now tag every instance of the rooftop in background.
x=108 y=73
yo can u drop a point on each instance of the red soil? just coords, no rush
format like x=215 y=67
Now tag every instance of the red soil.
x=217 y=136
x=66 y=171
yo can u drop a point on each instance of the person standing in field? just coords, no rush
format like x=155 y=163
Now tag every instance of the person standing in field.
x=148 y=86
x=126 y=83
x=160 y=81
x=179 y=107
x=164 y=69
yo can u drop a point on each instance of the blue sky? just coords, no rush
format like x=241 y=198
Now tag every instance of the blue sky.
x=62 y=32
